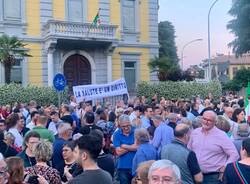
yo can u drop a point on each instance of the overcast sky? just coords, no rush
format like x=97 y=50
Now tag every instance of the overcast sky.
x=189 y=18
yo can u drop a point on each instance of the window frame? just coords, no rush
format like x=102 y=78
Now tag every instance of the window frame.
x=131 y=57
x=6 y=18
x=84 y=11
x=136 y=19
x=19 y=67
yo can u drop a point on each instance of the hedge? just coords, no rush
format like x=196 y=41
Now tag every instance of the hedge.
x=11 y=93
x=177 y=90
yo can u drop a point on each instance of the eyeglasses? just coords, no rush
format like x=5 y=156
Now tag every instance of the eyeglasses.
x=125 y=126
x=206 y=119
x=163 y=180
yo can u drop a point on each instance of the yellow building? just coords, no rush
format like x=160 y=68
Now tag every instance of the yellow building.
x=62 y=39
x=224 y=67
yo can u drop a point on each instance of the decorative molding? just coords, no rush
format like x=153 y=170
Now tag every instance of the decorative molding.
x=140 y=45
x=130 y=53
x=89 y=58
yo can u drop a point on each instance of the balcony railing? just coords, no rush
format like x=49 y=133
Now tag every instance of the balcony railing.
x=64 y=29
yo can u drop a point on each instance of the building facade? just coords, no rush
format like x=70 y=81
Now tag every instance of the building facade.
x=224 y=67
x=61 y=39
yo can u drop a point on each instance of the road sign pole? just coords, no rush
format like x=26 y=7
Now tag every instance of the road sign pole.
x=59 y=83
x=59 y=98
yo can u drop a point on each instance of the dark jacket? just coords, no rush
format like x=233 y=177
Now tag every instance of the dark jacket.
x=28 y=161
x=6 y=150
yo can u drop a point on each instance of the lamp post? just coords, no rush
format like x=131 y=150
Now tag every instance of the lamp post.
x=182 y=51
x=209 y=49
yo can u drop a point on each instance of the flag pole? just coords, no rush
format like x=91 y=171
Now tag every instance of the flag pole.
x=95 y=21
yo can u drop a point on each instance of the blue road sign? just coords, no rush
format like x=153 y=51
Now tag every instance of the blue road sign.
x=59 y=82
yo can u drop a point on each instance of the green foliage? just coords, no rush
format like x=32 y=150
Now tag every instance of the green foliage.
x=165 y=69
x=240 y=80
x=240 y=26
x=10 y=49
x=166 y=65
x=167 y=41
x=231 y=86
x=242 y=77
x=175 y=90
x=11 y=93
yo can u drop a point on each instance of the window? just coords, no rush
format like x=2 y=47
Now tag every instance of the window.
x=234 y=70
x=12 y=9
x=16 y=72
x=75 y=10
x=130 y=75
x=129 y=17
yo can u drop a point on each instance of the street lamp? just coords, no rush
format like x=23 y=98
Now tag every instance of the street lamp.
x=209 y=49
x=182 y=56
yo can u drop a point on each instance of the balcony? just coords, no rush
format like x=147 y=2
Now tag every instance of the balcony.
x=84 y=31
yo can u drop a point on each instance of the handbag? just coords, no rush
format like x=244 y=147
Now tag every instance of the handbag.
x=239 y=173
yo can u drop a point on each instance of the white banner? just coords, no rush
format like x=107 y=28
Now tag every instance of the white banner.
x=90 y=92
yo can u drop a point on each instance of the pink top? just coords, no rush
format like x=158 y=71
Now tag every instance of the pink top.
x=213 y=149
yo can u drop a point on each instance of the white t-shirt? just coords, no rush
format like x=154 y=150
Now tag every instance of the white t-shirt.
x=18 y=138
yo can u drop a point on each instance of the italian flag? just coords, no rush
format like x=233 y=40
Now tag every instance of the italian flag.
x=97 y=20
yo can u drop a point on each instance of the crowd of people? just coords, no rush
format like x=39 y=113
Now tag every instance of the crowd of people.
x=142 y=141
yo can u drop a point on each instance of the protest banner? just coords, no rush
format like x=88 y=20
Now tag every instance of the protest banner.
x=95 y=91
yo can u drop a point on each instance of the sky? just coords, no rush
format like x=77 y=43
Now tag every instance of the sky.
x=189 y=17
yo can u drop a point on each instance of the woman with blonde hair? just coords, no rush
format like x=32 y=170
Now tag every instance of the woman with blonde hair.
x=43 y=152
x=142 y=172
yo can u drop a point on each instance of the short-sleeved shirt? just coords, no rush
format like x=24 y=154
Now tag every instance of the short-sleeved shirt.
x=92 y=176
x=125 y=160
x=44 y=133
x=231 y=177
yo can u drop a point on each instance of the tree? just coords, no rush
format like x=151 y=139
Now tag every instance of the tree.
x=167 y=41
x=10 y=49
x=165 y=69
x=166 y=66
x=240 y=80
x=242 y=77
x=240 y=26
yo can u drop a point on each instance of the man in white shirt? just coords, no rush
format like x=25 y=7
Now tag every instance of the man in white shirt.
x=34 y=116
x=55 y=121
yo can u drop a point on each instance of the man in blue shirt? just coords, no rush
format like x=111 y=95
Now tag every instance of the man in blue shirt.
x=145 y=118
x=163 y=135
x=145 y=151
x=64 y=134
x=125 y=148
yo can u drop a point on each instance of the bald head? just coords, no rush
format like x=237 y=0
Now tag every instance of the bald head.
x=181 y=130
